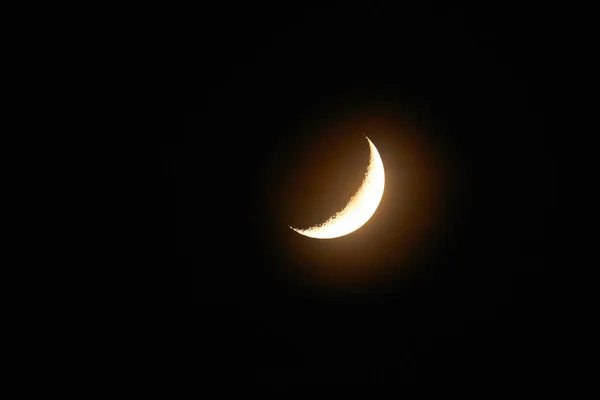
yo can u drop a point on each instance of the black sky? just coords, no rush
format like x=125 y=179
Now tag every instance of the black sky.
x=480 y=301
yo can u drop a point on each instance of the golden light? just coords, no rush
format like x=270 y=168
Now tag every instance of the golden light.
x=391 y=236
x=359 y=209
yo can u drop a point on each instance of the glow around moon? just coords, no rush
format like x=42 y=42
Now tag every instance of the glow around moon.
x=360 y=207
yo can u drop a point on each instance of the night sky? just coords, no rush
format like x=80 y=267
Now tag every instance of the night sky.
x=458 y=102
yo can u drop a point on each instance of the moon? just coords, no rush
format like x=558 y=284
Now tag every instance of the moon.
x=359 y=209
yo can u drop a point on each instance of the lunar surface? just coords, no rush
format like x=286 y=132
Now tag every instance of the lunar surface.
x=359 y=209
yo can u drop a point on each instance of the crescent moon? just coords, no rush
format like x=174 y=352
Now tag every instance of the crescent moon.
x=359 y=209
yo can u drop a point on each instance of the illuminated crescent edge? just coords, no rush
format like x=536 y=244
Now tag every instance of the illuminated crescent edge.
x=359 y=209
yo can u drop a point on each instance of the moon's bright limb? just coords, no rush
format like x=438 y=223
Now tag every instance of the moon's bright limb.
x=360 y=207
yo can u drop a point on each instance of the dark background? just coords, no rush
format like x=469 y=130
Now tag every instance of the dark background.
x=482 y=302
